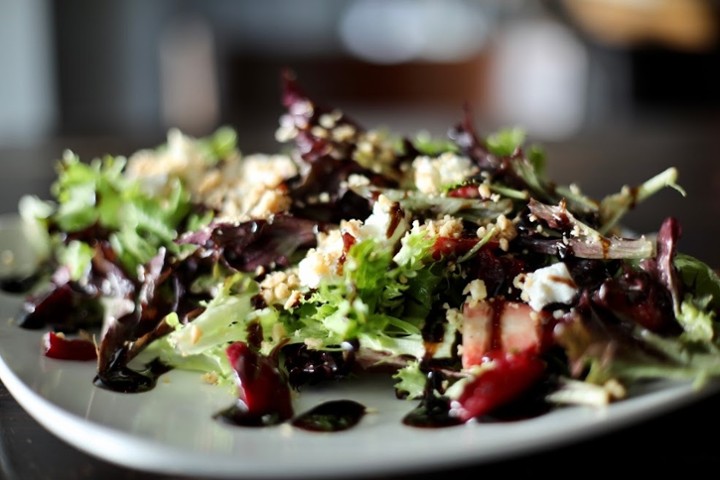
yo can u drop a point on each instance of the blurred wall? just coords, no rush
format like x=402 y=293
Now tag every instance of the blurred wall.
x=614 y=90
x=135 y=68
x=27 y=88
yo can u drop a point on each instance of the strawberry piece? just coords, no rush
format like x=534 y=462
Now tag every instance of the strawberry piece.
x=60 y=347
x=508 y=376
x=498 y=325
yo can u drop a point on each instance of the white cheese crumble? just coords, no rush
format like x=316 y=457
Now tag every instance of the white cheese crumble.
x=181 y=158
x=548 y=285
x=375 y=151
x=240 y=188
x=382 y=218
x=433 y=175
x=248 y=188
x=322 y=261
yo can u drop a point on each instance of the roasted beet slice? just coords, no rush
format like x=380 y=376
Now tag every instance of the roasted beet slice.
x=262 y=390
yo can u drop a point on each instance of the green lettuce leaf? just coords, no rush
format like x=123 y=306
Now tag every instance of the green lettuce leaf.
x=699 y=278
x=98 y=194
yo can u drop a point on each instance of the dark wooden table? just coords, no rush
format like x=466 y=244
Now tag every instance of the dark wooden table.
x=600 y=162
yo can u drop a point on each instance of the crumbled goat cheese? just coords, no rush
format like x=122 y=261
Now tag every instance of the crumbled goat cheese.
x=343 y=133
x=248 y=188
x=182 y=158
x=321 y=262
x=374 y=151
x=382 y=218
x=548 y=285
x=433 y=175
x=352 y=227
x=240 y=188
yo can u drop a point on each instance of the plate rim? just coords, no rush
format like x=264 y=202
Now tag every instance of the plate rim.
x=131 y=450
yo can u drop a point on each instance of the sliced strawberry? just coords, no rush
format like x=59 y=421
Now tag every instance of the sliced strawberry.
x=58 y=346
x=476 y=332
x=498 y=325
x=508 y=375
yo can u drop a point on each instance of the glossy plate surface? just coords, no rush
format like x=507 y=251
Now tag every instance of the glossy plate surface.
x=171 y=430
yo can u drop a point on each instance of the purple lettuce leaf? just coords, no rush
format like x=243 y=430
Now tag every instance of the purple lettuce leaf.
x=255 y=244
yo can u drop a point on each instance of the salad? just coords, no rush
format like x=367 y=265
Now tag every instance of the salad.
x=452 y=265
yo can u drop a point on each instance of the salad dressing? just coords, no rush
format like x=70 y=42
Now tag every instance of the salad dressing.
x=239 y=415
x=18 y=283
x=433 y=411
x=351 y=240
x=127 y=380
x=331 y=416
x=497 y=308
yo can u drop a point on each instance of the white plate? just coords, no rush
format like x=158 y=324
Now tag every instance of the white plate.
x=170 y=429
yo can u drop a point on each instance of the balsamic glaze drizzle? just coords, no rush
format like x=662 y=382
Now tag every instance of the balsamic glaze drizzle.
x=127 y=380
x=239 y=415
x=331 y=416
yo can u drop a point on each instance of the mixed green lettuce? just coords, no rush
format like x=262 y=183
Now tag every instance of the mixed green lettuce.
x=368 y=254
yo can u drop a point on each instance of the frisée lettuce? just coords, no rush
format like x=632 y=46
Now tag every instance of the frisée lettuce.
x=452 y=265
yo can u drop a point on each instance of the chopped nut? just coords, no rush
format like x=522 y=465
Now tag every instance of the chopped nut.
x=195 y=334
x=484 y=191
x=476 y=290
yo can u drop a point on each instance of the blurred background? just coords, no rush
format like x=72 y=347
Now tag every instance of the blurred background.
x=616 y=90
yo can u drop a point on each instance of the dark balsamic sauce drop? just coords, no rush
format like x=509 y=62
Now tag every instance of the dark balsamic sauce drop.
x=127 y=380
x=19 y=284
x=239 y=415
x=515 y=412
x=530 y=405
x=433 y=412
x=434 y=408
x=331 y=416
